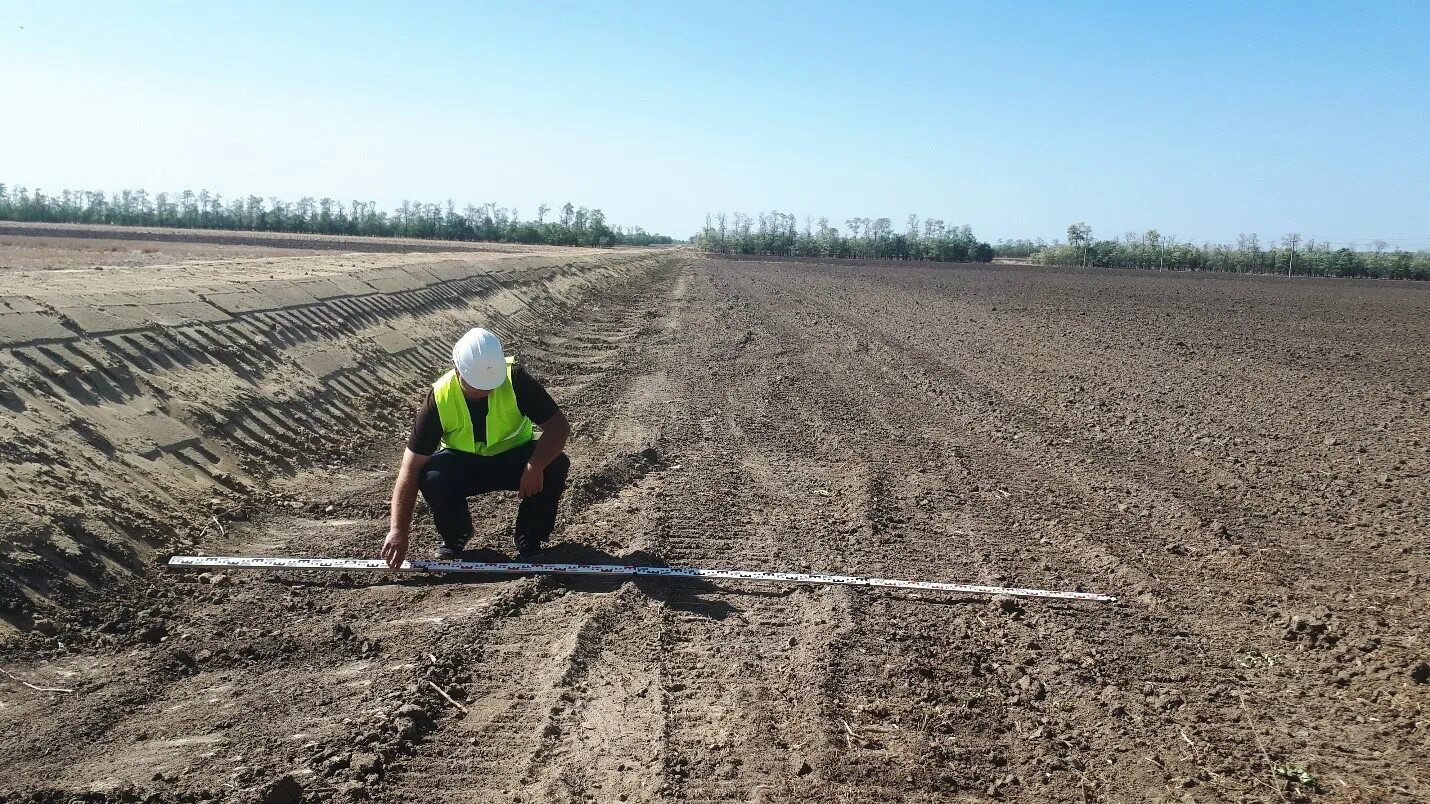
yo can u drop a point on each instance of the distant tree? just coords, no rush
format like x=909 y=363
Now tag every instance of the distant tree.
x=1250 y=251
x=778 y=233
x=327 y=215
x=1247 y=256
x=1080 y=234
x=1290 y=241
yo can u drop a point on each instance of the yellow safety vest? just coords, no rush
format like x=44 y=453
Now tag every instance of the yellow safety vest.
x=507 y=428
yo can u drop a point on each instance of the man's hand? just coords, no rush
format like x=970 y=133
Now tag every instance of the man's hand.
x=532 y=482
x=394 y=549
x=404 y=496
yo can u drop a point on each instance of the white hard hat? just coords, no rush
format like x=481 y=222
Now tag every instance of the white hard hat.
x=479 y=359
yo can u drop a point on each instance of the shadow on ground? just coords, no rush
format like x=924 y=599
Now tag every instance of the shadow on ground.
x=691 y=595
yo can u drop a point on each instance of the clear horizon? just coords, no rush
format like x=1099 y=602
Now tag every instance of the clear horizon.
x=1202 y=123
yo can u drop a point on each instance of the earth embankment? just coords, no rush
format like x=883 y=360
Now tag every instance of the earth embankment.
x=142 y=406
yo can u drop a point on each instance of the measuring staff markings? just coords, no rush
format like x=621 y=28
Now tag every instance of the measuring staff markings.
x=520 y=568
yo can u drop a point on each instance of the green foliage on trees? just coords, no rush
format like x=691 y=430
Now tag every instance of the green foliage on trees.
x=1154 y=250
x=780 y=234
x=578 y=226
x=1021 y=248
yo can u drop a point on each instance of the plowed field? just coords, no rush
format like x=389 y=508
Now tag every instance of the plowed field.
x=1242 y=461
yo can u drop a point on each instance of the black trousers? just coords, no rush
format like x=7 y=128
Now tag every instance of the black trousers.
x=450 y=477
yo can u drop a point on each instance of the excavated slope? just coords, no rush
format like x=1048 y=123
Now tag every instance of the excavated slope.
x=137 y=403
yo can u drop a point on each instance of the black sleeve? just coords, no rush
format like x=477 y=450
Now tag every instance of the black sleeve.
x=531 y=397
x=426 y=428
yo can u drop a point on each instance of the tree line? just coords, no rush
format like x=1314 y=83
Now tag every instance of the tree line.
x=572 y=226
x=780 y=234
x=1290 y=255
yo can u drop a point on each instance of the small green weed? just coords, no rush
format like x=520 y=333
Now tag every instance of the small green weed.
x=1297 y=774
x=1253 y=658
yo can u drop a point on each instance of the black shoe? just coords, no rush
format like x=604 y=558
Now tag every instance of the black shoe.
x=448 y=551
x=528 y=548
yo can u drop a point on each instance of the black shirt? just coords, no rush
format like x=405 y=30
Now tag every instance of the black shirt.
x=531 y=399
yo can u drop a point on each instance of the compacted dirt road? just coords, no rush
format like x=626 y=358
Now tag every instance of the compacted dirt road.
x=1242 y=461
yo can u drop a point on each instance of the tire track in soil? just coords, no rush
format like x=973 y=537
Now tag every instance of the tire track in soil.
x=704 y=676
x=740 y=718
x=900 y=516
x=539 y=681
x=821 y=428
x=531 y=669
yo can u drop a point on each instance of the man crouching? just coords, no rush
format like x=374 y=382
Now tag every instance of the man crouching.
x=480 y=414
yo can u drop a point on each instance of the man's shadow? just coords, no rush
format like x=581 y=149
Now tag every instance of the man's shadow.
x=691 y=595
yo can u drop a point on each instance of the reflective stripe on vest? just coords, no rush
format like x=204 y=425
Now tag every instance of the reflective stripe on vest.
x=504 y=418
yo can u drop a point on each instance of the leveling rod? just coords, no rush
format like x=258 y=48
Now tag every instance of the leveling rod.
x=615 y=570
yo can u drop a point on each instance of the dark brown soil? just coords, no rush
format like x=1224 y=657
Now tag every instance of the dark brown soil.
x=51 y=246
x=1242 y=460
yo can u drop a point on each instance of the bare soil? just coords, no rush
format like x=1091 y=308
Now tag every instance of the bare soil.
x=1242 y=460
x=59 y=246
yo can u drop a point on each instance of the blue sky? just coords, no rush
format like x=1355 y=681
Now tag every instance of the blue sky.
x=1017 y=118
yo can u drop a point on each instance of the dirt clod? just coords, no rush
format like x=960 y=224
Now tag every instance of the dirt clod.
x=1008 y=604
x=284 y=790
x=365 y=763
